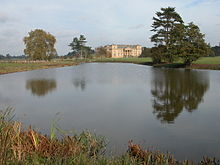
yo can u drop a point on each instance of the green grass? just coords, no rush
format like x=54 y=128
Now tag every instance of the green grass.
x=125 y=60
x=208 y=60
x=18 y=66
x=203 y=60
x=212 y=63
x=148 y=60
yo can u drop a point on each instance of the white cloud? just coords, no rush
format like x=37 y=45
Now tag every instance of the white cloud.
x=3 y=18
x=102 y=22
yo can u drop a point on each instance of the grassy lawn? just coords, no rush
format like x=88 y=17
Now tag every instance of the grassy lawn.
x=203 y=60
x=208 y=60
x=125 y=60
x=19 y=66
x=212 y=63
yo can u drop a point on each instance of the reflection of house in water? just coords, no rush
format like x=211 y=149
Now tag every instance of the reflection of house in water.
x=41 y=87
x=120 y=51
x=175 y=90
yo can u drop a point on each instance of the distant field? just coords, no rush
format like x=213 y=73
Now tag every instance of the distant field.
x=11 y=66
x=203 y=60
x=212 y=63
x=129 y=60
x=19 y=66
x=208 y=60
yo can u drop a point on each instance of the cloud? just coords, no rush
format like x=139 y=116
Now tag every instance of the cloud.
x=102 y=22
x=195 y=3
x=65 y=33
x=139 y=26
x=3 y=18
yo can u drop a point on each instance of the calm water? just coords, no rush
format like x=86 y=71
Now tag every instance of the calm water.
x=170 y=110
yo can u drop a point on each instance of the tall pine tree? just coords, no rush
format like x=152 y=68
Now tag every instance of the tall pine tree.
x=164 y=25
x=78 y=45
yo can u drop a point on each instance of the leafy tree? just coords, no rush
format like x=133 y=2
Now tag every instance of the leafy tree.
x=70 y=55
x=88 y=52
x=146 y=52
x=157 y=53
x=78 y=46
x=193 y=45
x=102 y=52
x=40 y=45
x=215 y=51
x=8 y=56
x=163 y=27
x=2 y=56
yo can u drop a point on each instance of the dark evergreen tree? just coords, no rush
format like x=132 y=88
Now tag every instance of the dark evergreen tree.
x=175 y=40
x=146 y=52
x=193 y=45
x=164 y=25
x=215 y=51
x=78 y=46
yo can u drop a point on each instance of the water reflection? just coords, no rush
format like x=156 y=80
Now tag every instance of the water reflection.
x=80 y=83
x=41 y=87
x=175 y=90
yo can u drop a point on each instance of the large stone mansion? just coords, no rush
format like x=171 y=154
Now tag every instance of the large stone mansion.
x=120 y=51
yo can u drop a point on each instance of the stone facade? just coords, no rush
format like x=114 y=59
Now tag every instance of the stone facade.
x=120 y=51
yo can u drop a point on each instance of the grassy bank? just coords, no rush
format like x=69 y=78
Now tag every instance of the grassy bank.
x=19 y=66
x=212 y=63
x=19 y=146
x=143 y=61
x=208 y=60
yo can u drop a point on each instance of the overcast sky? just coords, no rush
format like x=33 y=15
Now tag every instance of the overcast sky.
x=101 y=21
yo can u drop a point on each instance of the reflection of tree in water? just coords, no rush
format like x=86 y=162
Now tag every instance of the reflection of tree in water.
x=80 y=83
x=41 y=87
x=174 y=90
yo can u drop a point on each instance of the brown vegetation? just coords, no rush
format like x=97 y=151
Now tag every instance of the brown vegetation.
x=19 y=146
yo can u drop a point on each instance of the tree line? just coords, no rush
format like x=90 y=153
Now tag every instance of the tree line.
x=9 y=57
x=172 y=38
x=40 y=45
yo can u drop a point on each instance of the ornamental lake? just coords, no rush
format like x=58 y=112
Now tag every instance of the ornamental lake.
x=173 y=110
